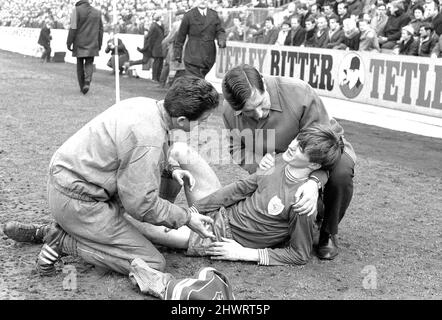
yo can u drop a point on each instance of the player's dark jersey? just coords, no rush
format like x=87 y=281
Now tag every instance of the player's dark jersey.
x=260 y=216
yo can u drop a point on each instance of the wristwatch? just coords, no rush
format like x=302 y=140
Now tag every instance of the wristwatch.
x=318 y=182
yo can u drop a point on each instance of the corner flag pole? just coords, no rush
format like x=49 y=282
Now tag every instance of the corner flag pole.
x=116 y=57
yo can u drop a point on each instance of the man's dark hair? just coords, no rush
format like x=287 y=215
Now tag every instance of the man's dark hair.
x=190 y=97
x=238 y=83
x=419 y=7
x=270 y=19
x=321 y=145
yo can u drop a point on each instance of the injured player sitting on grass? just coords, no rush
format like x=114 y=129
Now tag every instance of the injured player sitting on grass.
x=253 y=217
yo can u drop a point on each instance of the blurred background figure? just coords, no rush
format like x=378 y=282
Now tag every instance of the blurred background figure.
x=123 y=54
x=45 y=41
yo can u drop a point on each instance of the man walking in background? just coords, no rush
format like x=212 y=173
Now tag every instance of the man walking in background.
x=45 y=41
x=201 y=26
x=84 y=40
x=155 y=36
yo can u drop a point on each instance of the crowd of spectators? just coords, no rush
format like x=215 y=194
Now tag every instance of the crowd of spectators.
x=411 y=27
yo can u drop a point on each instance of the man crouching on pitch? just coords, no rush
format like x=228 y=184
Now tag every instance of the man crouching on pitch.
x=114 y=165
x=253 y=217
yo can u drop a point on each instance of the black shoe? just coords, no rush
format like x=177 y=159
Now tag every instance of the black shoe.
x=85 y=89
x=51 y=251
x=23 y=232
x=327 y=247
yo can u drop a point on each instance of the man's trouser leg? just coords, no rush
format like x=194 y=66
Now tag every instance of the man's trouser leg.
x=196 y=70
x=164 y=72
x=80 y=72
x=88 y=69
x=338 y=193
x=104 y=237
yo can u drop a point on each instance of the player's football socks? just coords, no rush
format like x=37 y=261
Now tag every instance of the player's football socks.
x=25 y=232
x=149 y=280
x=51 y=251
x=327 y=247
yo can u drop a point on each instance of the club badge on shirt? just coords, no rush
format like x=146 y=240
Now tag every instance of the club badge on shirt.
x=275 y=206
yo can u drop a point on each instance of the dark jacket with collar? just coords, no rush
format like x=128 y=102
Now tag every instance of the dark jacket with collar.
x=393 y=28
x=409 y=48
x=154 y=38
x=295 y=37
x=336 y=38
x=426 y=47
x=201 y=32
x=86 y=30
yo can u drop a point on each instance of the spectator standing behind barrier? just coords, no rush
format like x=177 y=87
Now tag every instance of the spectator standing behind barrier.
x=123 y=54
x=84 y=40
x=335 y=34
x=368 y=40
x=407 y=45
x=296 y=34
x=397 y=19
x=427 y=40
x=303 y=13
x=155 y=36
x=201 y=26
x=45 y=41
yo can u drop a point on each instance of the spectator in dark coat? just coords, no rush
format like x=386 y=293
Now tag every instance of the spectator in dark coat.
x=427 y=40
x=296 y=34
x=418 y=19
x=343 y=12
x=335 y=34
x=201 y=31
x=310 y=30
x=391 y=33
x=407 y=45
x=321 y=38
x=84 y=40
x=352 y=36
x=45 y=41
x=303 y=14
x=154 y=38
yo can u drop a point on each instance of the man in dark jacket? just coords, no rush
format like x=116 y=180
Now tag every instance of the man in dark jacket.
x=45 y=41
x=84 y=40
x=397 y=19
x=407 y=45
x=154 y=38
x=201 y=26
x=296 y=34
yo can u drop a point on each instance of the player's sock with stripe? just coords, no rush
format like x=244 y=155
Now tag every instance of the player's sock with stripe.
x=52 y=250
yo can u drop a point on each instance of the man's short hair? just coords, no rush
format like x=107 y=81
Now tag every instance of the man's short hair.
x=321 y=145
x=191 y=97
x=270 y=19
x=238 y=83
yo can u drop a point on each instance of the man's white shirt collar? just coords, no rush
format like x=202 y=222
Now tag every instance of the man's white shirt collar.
x=203 y=12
